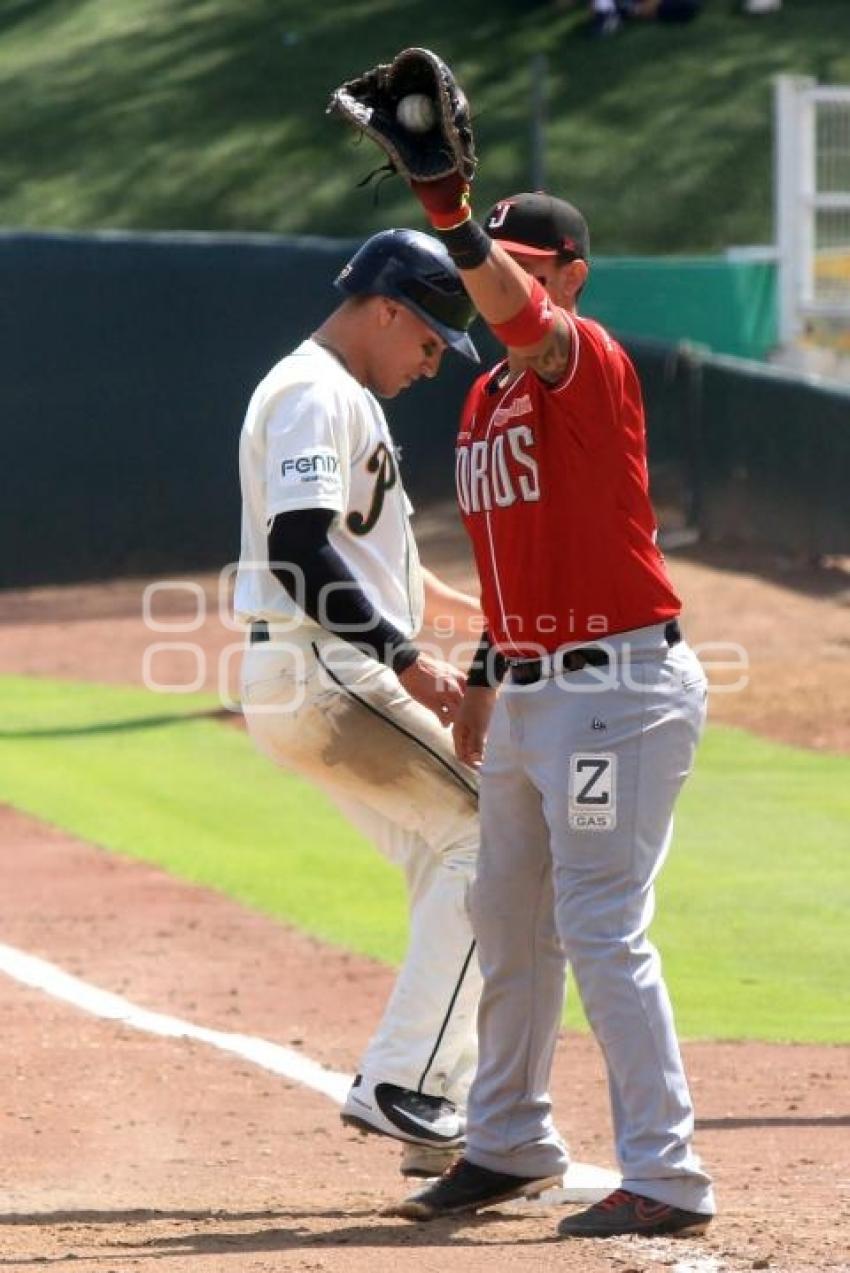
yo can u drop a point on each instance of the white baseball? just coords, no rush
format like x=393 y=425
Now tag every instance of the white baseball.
x=416 y=113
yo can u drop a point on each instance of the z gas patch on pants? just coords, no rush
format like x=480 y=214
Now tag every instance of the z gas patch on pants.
x=593 y=791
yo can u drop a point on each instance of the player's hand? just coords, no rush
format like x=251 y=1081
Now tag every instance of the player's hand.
x=436 y=685
x=472 y=722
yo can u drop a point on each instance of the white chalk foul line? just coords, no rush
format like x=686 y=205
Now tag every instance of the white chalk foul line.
x=582 y=1183
x=42 y=975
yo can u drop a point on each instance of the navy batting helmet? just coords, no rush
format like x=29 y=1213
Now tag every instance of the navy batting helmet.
x=416 y=270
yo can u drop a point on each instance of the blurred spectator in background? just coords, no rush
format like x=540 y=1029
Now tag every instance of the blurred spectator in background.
x=607 y=16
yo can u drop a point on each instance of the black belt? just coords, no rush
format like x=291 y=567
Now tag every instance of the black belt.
x=527 y=671
x=259 y=631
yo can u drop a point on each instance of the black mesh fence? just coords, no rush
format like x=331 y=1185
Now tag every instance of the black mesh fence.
x=748 y=453
x=127 y=363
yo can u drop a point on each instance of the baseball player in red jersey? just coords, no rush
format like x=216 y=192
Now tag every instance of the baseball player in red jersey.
x=588 y=740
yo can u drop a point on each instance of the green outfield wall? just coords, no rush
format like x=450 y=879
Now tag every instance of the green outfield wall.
x=126 y=362
x=728 y=305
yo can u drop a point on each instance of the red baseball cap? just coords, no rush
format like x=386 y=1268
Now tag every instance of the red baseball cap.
x=538 y=224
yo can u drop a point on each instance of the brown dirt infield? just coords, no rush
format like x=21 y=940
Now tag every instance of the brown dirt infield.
x=126 y=1151
x=790 y=619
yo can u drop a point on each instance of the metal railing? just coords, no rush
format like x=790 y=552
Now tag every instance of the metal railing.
x=812 y=203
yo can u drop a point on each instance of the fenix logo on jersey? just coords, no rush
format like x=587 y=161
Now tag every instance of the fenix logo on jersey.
x=498 y=472
x=309 y=468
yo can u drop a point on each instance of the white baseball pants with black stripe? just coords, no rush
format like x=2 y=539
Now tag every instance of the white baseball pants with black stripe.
x=315 y=705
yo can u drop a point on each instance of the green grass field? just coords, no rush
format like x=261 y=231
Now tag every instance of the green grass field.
x=753 y=903
x=210 y=114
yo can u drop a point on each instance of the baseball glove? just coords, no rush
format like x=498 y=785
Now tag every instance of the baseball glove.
x=370 y=103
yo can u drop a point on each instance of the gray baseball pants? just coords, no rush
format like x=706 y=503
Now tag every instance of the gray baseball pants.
x=580 y=776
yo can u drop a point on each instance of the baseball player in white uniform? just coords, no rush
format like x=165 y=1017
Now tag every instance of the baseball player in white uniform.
x=333 y=684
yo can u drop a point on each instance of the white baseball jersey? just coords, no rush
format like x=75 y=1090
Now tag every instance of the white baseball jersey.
x=314 y=437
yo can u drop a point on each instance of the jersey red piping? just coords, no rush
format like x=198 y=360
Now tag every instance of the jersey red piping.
x=574 y=353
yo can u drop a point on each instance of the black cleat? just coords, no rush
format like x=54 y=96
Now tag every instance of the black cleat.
x=625 y=1212
x=465 y=1187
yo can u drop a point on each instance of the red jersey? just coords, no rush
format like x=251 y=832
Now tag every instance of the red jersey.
x=553 y=487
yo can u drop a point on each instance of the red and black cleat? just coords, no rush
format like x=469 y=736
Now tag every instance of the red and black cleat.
x=624 y=1212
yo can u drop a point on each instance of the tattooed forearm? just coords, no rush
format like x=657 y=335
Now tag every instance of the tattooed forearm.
x=552 y=360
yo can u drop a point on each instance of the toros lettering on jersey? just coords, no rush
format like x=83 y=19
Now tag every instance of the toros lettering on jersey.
x=498 y=471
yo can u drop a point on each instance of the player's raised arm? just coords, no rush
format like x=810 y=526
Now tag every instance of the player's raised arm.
x=433 y=150
x=512 y=298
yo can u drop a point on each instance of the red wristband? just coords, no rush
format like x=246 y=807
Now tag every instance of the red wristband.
x=534 y=321
x=446 y=202
x=450 y=220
